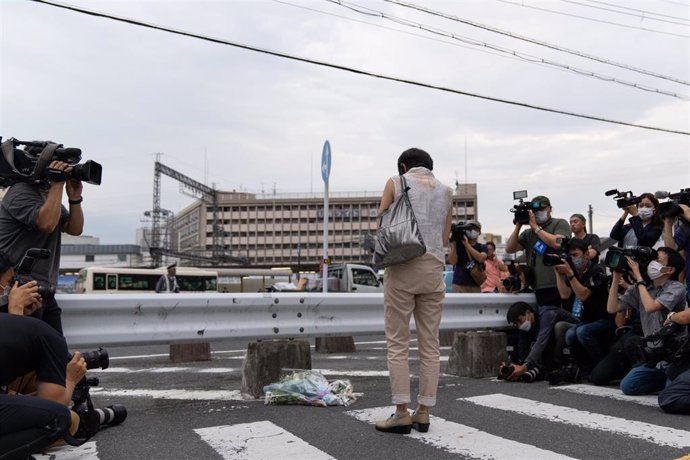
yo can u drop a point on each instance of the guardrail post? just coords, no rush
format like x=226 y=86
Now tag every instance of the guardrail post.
x=265 y=360
x=477 y=354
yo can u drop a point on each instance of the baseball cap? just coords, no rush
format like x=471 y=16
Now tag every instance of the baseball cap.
x=475 y=223
x=540 y=201
x=579 y=216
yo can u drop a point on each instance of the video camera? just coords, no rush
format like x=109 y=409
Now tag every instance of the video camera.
x=457 y=231
x=508 y=368
x=623 y=199
x=675 y=347
x=522 y=209
x=22 y=274
x=671 y=208
x=31 y=164
x=616 y=258
x=91 y=420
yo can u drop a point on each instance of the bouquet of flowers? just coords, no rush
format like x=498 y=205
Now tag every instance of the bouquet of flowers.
x=309 y=388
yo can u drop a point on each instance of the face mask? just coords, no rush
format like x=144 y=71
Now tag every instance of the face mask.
x=525 y=326
x=472 y=234
x=578 y=262
x=654 y=270
x=645 y=213
x=541 y=216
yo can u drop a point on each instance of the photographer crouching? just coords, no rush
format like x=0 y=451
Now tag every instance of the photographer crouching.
x=675 y=398
x=30 y=424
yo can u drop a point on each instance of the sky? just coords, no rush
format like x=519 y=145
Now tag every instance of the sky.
x=247 y=121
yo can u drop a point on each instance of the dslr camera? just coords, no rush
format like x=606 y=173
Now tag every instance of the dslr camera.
x=616 y=258
x=91 y=419
x=522 y=209
x=623 y=199
x=671 y=208
x=674 y=347
x=31 y=163
x=557 y=256
x=22 y=274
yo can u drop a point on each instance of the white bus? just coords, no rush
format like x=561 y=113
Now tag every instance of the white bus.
x=113 y=280
x=251 y=279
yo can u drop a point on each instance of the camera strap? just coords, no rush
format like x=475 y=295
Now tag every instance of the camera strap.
x=44 y=160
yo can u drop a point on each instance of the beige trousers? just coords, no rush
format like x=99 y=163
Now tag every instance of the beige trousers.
x=414 y=288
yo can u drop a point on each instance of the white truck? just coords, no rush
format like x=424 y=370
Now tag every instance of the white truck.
x=353 y=278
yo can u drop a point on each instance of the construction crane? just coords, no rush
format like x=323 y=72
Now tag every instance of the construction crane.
x=159 y=248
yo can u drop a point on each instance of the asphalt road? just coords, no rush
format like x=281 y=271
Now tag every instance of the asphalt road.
x=194 y=411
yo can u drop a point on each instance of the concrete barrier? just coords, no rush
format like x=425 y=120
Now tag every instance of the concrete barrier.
x=265 y=360
x=342 y=344
x=477 y=354
x=188 y=352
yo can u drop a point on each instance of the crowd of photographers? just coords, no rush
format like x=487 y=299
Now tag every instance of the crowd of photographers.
x=620 y=320
x=40 y=381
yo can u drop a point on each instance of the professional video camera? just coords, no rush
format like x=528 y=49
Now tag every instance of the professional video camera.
x=512 y=283
x=457 y=231
x=559 y=255
x=31 y=164
x=91 y=420
x=616 y=258
x=674 y=348
x=670 y=208
x=506 y=369
x=522 y=209
x=623 y=199
x=22 y=273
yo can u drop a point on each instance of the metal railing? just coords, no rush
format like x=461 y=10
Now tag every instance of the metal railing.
x=147 y=319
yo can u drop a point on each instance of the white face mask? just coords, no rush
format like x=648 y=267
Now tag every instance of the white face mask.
x=645 y=213
x=541 y=216
x=472 y=234
x=525 y=326
x=654 y=270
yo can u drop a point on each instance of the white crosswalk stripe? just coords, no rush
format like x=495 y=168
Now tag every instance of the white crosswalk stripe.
x=659 y=435
x=86 y=451
x=608 y=392
x=258 y=441
x=461 y=439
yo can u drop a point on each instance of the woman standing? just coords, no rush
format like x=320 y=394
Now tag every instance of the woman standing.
x=644 y=227
x=417 y=288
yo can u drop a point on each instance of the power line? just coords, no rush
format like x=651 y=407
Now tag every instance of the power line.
x=537 y=42
x=644 y=12
x=350 y=69
x=586 y=18
x=625 y=13
x=510 y=52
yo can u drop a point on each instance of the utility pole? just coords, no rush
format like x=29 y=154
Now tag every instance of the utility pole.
x=590 y=213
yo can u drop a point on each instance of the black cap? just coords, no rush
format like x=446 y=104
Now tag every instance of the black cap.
x=172 y=266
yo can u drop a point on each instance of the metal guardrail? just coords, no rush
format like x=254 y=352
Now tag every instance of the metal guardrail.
x=91 y=320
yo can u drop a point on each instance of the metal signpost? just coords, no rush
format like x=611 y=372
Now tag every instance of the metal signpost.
x=325 y=173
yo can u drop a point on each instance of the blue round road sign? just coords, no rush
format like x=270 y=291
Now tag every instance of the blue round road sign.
x=326 y=161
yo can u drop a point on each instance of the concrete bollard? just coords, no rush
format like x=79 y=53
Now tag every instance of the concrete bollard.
x=341 y=344
x=265 y=360
x=477 y=354
x=187 y=352
x=446 y=338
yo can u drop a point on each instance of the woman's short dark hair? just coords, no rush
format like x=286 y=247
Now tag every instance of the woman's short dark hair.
x=415 y=157
x=516 y=310
x=492 y=244
x=656 y=218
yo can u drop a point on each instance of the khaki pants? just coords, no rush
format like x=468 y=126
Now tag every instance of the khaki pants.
x=414 y=288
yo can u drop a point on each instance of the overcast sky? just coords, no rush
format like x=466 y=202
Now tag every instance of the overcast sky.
x=242 y=120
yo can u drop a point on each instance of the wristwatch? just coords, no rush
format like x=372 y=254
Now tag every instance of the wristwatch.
x=640 y=283
x=670 y=315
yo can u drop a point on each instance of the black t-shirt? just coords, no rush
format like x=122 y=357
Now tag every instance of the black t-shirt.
x=29 y=344
x=592 y=239
x=594 y=308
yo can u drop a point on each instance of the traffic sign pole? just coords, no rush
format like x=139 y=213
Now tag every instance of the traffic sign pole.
x=325 y=174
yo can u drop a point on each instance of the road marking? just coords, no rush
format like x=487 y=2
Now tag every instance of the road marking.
x=608 y=392
x=639 y=430
x=461 y=439
x=224 y=370
x=258 y=441
x=86 y=451
x=198 y=395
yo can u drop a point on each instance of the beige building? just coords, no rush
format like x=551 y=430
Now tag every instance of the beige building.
x=287 y=229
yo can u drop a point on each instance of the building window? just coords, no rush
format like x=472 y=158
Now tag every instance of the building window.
x=122 y=257
x=89 y=258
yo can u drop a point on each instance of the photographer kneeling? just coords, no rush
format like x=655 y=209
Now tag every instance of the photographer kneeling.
x=654 y=301
x=675 y=398
x=30 y=424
